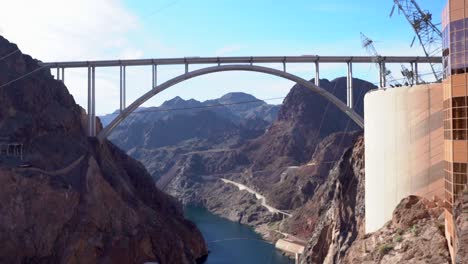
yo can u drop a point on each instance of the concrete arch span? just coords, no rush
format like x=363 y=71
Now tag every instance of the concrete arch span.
x=223 y=68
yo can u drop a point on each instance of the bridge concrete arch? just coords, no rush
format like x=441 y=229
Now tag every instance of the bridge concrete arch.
x=224 y=68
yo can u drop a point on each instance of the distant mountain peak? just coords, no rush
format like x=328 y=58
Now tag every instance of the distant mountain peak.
x=178 y=102
x=175 y=100
x=237 y=97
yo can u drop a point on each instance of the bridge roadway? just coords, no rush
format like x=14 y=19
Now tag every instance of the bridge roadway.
x=252 y=59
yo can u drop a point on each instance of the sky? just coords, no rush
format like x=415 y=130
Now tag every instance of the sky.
x=64 y=30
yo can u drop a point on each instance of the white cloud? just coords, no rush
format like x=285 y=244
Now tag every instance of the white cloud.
x=61 y=30
x=67 y=30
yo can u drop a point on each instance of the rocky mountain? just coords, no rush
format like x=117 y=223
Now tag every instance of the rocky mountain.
x=76 y=200
x=304 y=119
x=157 y=136
x=236 y=106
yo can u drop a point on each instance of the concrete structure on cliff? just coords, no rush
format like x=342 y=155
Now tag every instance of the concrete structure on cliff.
x=404 y=148
x=417 y=137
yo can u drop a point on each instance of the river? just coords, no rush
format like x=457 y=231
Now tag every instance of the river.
x=233 y=243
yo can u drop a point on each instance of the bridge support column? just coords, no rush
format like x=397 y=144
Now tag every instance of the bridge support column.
x=60 y=76
x=350 y=85
x=383 y=75
x=91 y=102
x=416 y=73
x=317 y=74
x=123 y=82
x=155 y=75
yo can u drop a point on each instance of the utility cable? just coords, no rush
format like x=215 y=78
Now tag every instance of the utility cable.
x=326 y=110
x=247 y=102
x=161 y=9
x=205 y=106
x=9 y=54
x=22 y=76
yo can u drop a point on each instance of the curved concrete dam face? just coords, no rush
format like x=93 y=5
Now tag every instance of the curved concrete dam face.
x=404 y=148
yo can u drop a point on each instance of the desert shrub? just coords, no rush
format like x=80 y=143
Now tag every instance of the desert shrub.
x=399 y=231
x=384 y=249
x=398 y=239
x=414 y=230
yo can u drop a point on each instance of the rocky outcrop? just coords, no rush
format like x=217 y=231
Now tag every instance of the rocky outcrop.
x=304 y=119
x=461 y=225
x=414 y=235
x=298 y=184
x=333 y=217
x=77 y=200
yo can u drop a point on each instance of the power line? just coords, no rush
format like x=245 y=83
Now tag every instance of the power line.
x=22 y=77
x=207 y=106
x=238 y=103
x=326 y=110
x=9 y=54
x=161 y=9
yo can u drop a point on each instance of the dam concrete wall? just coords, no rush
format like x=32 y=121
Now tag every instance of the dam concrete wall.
x=404 y=148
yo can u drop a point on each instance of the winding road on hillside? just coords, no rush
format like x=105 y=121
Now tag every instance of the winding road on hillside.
x=64 y=170
x=270 y=208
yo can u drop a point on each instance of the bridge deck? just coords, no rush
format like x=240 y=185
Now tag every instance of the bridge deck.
x=254 y=59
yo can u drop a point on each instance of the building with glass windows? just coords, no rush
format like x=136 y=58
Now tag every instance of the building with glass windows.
x=455 y=63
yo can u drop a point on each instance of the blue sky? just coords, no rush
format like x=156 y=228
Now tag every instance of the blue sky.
x=268 y=27
x=113 y=29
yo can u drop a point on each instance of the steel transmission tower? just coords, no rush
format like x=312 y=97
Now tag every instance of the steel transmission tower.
x=427 y=32
x=368 y=44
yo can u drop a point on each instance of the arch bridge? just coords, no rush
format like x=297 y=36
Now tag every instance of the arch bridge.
x=223 y=64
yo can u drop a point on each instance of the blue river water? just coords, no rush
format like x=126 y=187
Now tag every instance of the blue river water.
x=233 y=243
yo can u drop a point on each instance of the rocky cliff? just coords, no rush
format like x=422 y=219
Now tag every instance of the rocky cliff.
x=332 y=218
x=461 y=223
x=77 y=200
x=304 y=119
x=414 y=235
